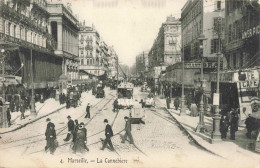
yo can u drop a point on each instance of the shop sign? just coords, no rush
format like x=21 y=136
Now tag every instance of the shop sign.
x=247 y=89
x=249 y=84
x=198 y=65
x=251 y=32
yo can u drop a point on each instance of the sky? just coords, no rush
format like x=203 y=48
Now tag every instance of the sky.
x=130 y=26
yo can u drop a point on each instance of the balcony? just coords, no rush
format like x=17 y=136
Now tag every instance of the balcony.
x=89 y=39
x=11 y=14
x=24 y=43
x=41 y=7
x=89 y=47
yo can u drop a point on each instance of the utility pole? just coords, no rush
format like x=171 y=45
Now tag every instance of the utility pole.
x=201 y=125
x=117 y=76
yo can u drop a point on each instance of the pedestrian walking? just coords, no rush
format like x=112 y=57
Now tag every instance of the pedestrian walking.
x=42 y=98
x=176 y=103
x=79 y=145
x=16 y=102
x=50 y=135
x=68 y=102
x=88 y=111
x=224 y=124
x=168 y=102
x=115 y=104
x=8 y=116
x=76 y=128
x=233 y=124
x=60 y=99
x=85 y=132
x=70 y=129
x=142 y=103
x=193 y=110
x=127 y=131
x=22 y=110
x=108 y=134
x=11 y=106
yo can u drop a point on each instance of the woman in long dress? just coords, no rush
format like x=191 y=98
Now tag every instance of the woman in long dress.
x=80 y=139
x=50 y=137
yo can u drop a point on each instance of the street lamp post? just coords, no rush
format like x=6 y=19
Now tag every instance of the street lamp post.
x=33 y=111
x=3 y=74
x=216 y=135
x=183 y=108
x=201 y=125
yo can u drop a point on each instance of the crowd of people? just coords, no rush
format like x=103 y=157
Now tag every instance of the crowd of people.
x=77 y=133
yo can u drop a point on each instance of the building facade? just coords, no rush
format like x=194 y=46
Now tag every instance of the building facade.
x=242 y=34
x=141 y=63
x=166 y=47
x=29 y=48
x=112 y=62
x=90 y=52
x=201 y=17
x=63 y=26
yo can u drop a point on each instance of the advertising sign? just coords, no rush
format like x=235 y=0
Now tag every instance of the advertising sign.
x=247 y=92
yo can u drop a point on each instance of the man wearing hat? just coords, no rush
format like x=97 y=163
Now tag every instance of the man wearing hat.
x=70 y=128
x=22 y=109
x=127 y=131
x=108 y=134
x=85 y=134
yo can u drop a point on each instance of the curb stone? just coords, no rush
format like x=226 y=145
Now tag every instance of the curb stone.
x=32 y=121
x=190 y=136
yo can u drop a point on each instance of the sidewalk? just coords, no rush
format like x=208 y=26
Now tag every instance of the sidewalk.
x=42 y=109
x=227 y=148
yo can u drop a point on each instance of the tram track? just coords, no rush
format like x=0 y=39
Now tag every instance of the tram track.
x=43 y=139
x=171 y=119
x=96 y=114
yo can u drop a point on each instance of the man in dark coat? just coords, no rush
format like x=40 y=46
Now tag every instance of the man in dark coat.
x=115 y=104
x=70 y=128
x=11 y=106
x=22 y=109
x=67 y=101
x=108 y=134
x=16 y=102
x=168 y=101
x=176 y=103
x=85 y=133
x=224 y=126
x=8 y=116
x=127 y=131
x=60 y=98
x=50 y=135
x=88 y=111
x=233 y=124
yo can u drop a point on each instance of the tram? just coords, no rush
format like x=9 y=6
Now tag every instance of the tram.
x=125 y=95
x=100 y=93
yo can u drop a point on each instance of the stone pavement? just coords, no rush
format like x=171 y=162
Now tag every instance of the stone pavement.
x=227 y=148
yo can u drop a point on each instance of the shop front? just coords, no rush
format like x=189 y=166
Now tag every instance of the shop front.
x=238 y=89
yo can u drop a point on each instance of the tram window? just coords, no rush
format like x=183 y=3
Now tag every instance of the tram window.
x=123 y=93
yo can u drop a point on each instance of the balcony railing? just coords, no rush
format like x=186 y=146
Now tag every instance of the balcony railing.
x=24 y=43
